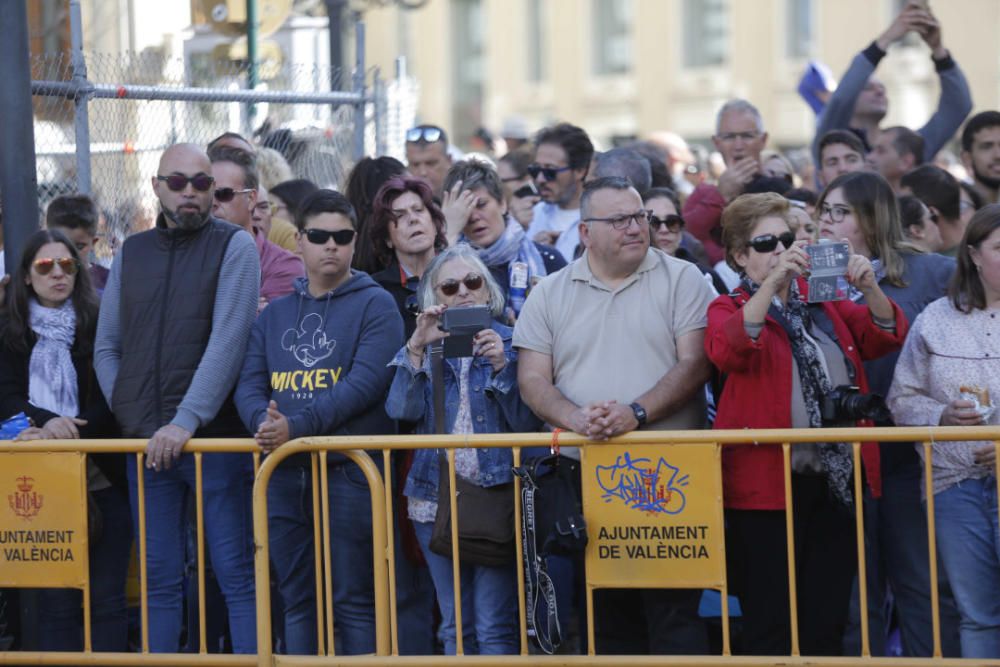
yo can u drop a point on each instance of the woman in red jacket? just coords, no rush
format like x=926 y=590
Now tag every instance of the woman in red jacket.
x=781 y=357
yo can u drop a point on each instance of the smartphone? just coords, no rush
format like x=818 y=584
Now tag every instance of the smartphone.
x=828 y=270
x=526 y=190
x=462 y=324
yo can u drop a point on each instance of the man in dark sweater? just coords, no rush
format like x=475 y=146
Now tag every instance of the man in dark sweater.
x=316 y=364
x=174 y=322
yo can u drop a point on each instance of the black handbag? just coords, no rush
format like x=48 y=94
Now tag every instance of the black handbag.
x=551 y=524
x=485 y=514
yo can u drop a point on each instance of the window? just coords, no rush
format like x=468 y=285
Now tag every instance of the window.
x=612 y=28
x=799 y=27
x=706 y=32
x=467 y=68
x=536 y=31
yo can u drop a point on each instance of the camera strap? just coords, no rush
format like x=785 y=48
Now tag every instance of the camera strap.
x=437 y=385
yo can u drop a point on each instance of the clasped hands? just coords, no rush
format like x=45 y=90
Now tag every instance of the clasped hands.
x=601 y=420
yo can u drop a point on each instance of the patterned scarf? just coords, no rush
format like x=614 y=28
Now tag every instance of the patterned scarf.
x=52 y=381
x=514 y=247
x=796 y=320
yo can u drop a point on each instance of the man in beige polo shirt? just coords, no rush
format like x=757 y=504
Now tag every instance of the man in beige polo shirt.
x=611 y=343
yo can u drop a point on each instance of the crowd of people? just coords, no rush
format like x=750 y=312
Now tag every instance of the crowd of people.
x=624 y=289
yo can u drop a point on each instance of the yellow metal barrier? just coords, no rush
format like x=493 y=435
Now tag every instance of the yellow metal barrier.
x=384 y=549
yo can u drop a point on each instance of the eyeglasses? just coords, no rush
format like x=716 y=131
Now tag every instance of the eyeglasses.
x=426 y=134
x=835 y=213
x=621 y=222
x=225 y=195
x=321 y=236
x=177 y=182
x=730 y=137
x=45 y=265
x=549 y=173
x=768 y=242
x=673 y=223
x=472 y=282
x=265 y=206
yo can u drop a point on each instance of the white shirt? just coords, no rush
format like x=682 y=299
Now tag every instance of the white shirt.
x=550 y=218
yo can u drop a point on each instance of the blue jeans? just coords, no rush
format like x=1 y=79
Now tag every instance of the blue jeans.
x=227 y=481
x=290 y=528
x=59 y=610
x=896 y=558
x=489 y=602
x=969 y=544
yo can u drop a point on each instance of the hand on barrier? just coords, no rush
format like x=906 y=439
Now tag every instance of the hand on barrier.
x=64 y=428
x=273 y=431
x=165 y=446
x=616 y=418
x=32 y=433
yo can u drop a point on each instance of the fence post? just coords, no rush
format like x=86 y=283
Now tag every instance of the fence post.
x=381 y=109
x=81 y=117
x=359 y=90
x=18 y=178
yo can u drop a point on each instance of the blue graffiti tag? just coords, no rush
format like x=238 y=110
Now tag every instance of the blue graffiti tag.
x=641 y=486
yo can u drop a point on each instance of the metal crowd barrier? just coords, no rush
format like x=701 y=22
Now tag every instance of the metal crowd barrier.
x=384 y=549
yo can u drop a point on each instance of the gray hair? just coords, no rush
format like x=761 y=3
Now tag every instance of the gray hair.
x=427 y=296
x=625 y=162
x=741 y=106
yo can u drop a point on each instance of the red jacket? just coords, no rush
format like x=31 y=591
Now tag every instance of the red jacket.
x=758 y=390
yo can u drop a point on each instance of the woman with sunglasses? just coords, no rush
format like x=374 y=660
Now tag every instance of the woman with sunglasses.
x=46 y=371
x=862 y=208
x=780 y=357
x=515 y=261
x=666 y=231
x=480 y=396
x=407 y=230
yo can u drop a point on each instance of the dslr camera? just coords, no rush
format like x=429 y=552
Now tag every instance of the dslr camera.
x=846 y=403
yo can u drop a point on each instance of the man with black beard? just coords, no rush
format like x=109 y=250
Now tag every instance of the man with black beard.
x=981 y=153
x=175 y=318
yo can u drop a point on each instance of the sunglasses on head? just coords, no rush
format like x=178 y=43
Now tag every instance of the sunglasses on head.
x=472 y=282
x=426 y=134
x=673 y=223
x=177 y=182
x=45 y=265
x=549 y=173
x=321 y=236
x=225 y=195
x=768 y=242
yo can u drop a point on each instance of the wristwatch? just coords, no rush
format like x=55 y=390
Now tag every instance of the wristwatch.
x=640 y=413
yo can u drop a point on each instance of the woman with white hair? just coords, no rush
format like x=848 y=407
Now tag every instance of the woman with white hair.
x=480 y=396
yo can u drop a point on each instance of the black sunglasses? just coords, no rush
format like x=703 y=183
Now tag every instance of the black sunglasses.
x=768 y=242
x=549 y=173
x=472 y=282
x=426 y=134
x=673 y=222
x=321 y=236
x=226 y=195
x=177 y=182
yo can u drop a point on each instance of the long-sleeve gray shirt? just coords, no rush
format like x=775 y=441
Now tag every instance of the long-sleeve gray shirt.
x=954 y=103
x=233 y=315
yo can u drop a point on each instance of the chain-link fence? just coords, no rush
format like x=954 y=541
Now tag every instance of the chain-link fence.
x=134 y=106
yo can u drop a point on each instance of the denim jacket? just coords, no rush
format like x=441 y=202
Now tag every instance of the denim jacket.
x=495 y=404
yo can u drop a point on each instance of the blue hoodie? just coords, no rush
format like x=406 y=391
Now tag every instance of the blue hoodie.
x=323 y=360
